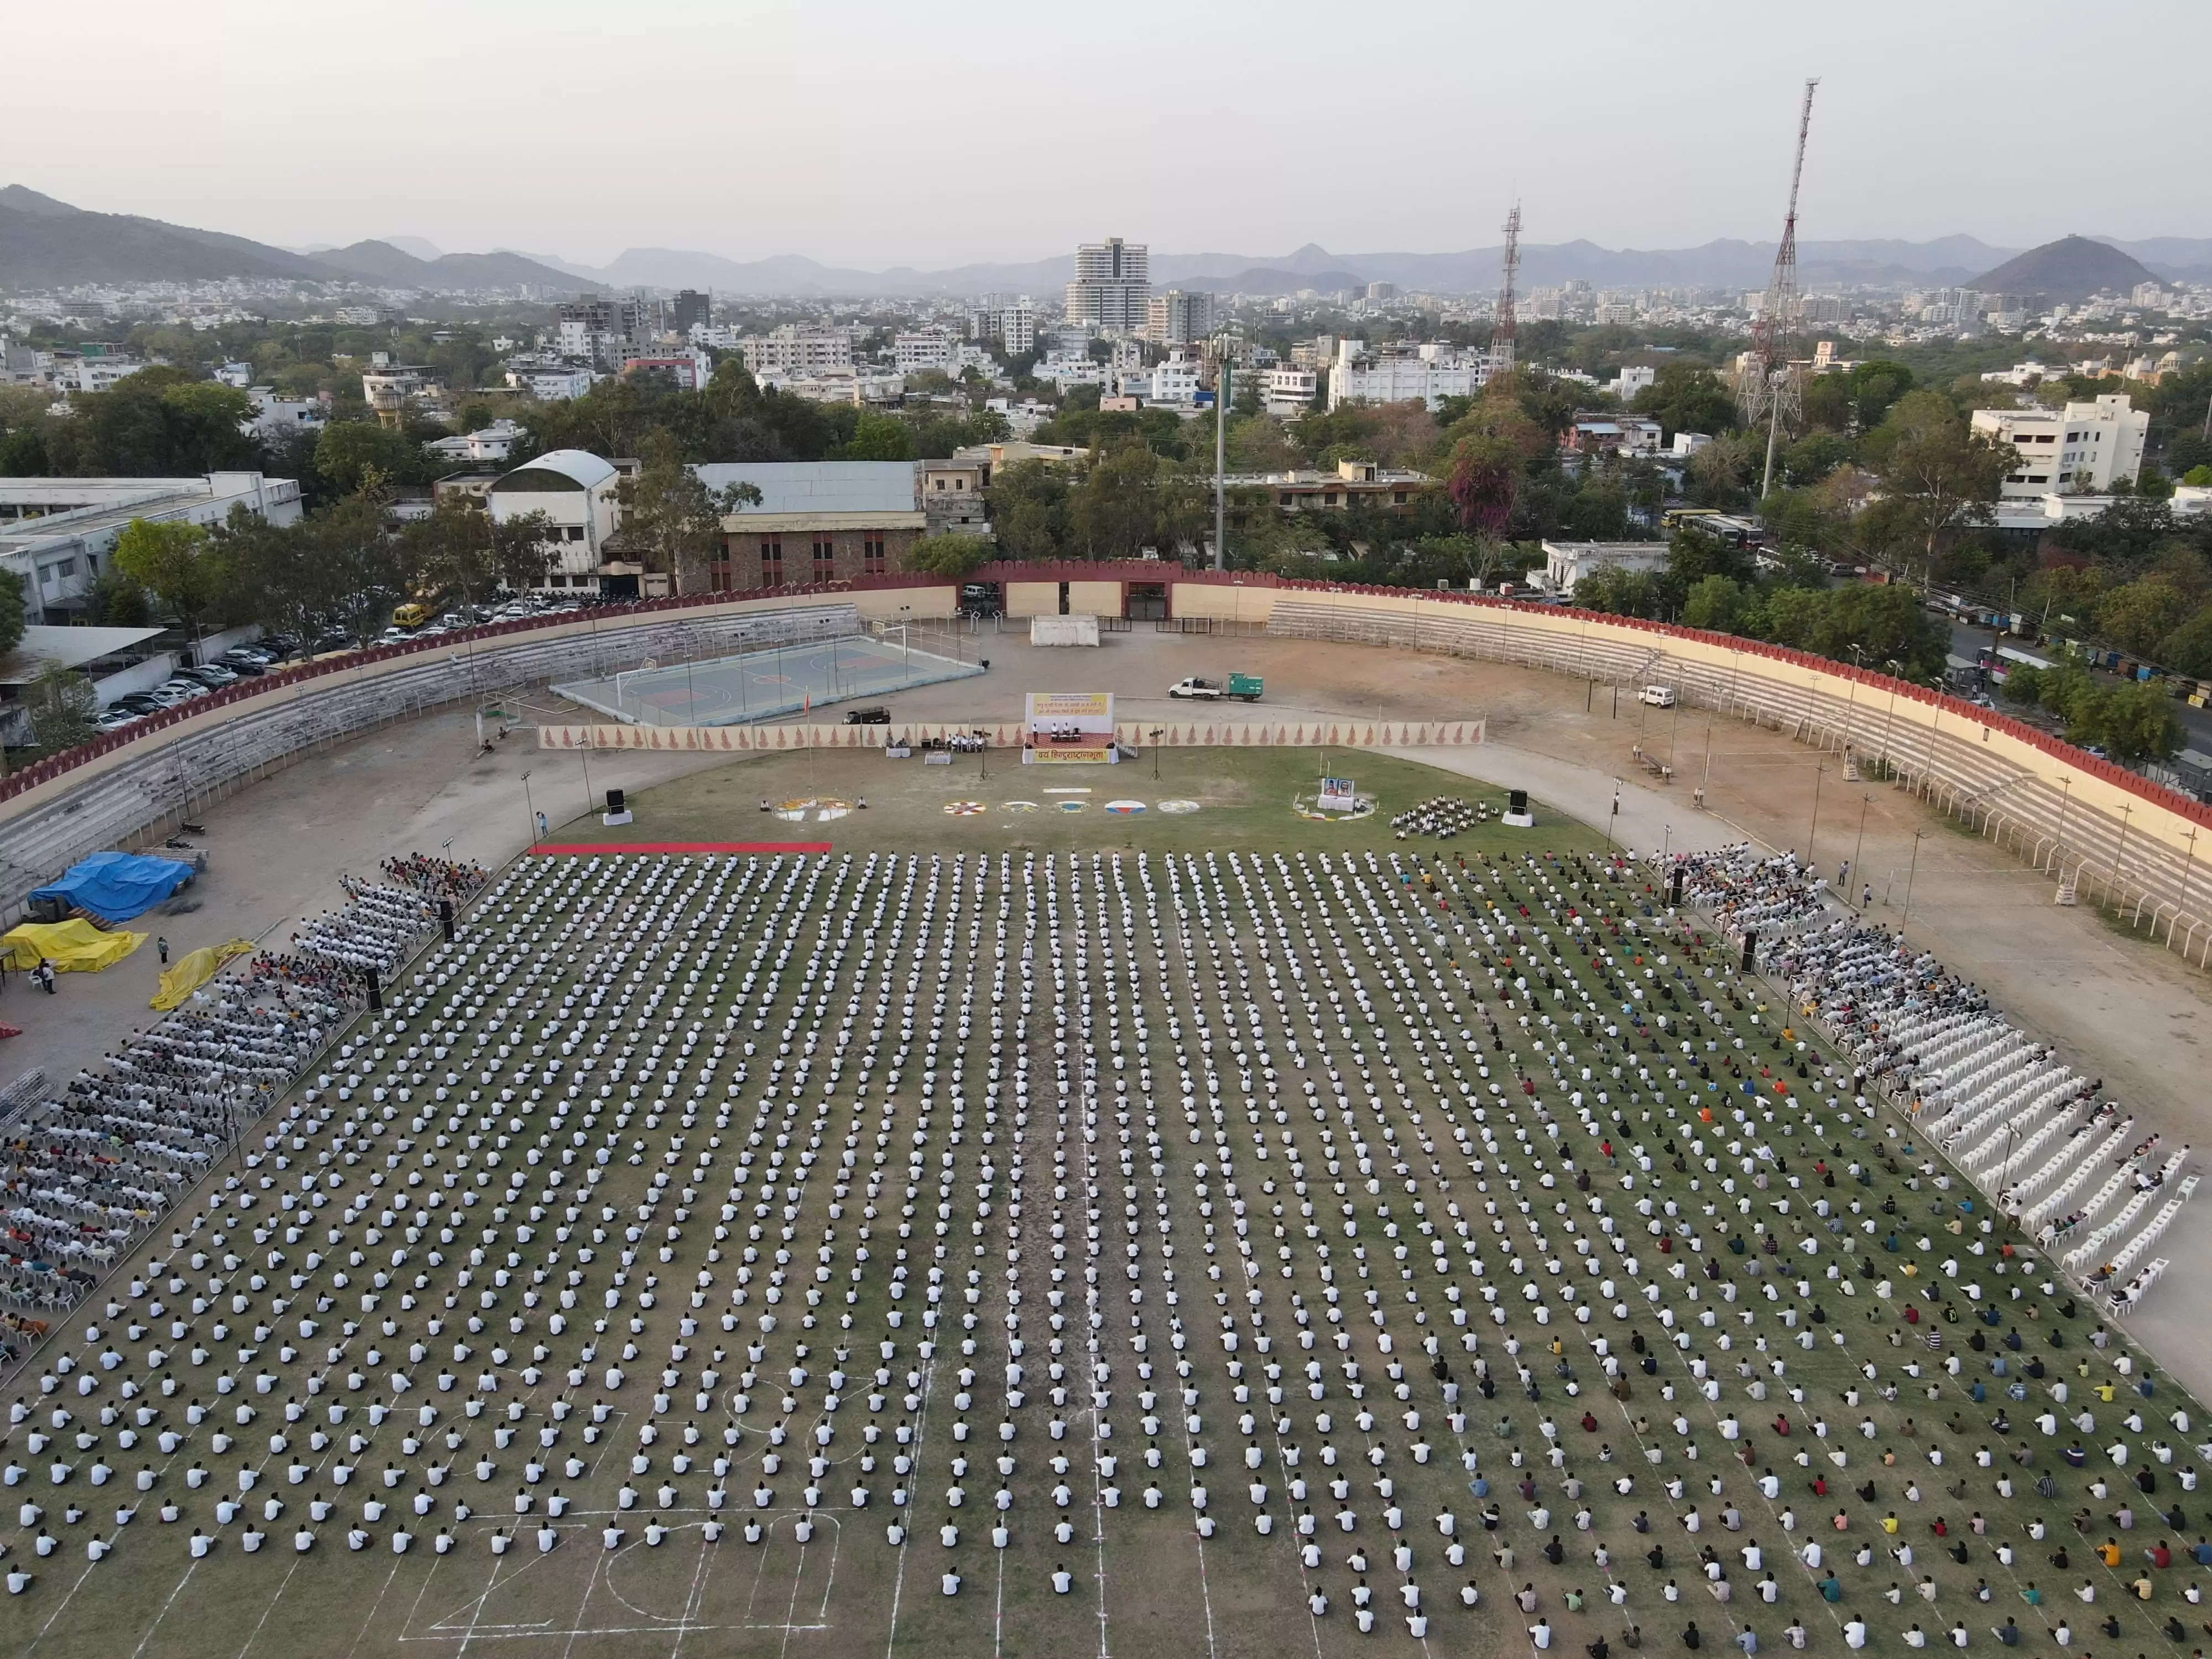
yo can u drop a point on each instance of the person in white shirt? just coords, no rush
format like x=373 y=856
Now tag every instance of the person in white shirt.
x=950 y=1583
x=1855 y=1633
x=1916 y=1638
x=1062 y=1581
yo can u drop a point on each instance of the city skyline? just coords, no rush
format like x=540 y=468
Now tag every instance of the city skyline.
x=791 y=130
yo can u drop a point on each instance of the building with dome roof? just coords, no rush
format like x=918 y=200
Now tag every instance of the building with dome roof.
x=579 y=492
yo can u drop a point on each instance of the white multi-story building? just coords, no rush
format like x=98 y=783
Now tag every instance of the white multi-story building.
x=799 y=354
x=551 y=385
x=273 y=416
x=580 y=494
x=1397 y=374
x=923 y=348
x=1286 y=392
x=1112 y=285
x=93 y=373
x=495 y=442
x=1011 y=323
x=1634 y=377
x=1174 y=382
x=1065 y=372
x=2083 y=449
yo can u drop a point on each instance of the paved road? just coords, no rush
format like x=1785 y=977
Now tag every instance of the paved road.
x=1965 y=641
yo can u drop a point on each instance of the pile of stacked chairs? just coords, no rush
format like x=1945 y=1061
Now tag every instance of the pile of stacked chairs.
x=2026 y=1128
x=85 y=1173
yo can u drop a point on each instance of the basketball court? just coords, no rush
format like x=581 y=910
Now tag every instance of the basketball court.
x=764 y=684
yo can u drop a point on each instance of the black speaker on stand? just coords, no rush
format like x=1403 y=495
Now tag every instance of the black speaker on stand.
x=1750 y=962
x=445 y=918
x=616 y=811
x=375 y=991
x=1517 y=814
x=1674 y=889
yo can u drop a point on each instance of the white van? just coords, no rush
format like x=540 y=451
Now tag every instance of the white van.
x=1659 y=696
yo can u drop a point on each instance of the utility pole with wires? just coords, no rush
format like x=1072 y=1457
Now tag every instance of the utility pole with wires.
x=1221 y=454
x=1772 y=385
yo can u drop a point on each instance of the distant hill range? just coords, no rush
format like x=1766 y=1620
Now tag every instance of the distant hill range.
x=2070 y=269
x=45 y=243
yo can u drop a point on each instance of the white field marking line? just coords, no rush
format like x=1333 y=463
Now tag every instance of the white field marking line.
x=1205 y=1588
x=165 y=1606
x=591 y=1582
x=690 y=1600
x=790 y=1611
x=477 y=1609
x=355 y=1646
x=1313 y=1619
x=920 y=1422
x=65 y=1602
x=261 y=1623
x=999 y=1609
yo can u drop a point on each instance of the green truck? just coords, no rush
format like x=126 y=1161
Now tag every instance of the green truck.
x=1247 y=687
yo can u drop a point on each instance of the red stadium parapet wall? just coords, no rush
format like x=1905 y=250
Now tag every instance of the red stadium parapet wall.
x=2119 y=834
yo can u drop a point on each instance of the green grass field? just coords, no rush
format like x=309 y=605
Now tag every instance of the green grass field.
x=1244 y=799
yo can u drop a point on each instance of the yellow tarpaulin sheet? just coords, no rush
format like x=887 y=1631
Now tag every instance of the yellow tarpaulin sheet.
x=74 y=947
x=189 y=972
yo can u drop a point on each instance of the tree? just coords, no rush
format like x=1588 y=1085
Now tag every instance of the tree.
x=880 y=437
x=1939 y=477
x=2137 y=617
x=11 y=612
x=1112 y=512
x=2130 y=723
x=1685 y=397
x=349 y=451
x=462 y=551
x=1717 y=602
x=1027 y=503
x=355 y=562
x=177 y=562
x=1485 y=482
x=947 y=556
x=59 y=702
x=672 y=521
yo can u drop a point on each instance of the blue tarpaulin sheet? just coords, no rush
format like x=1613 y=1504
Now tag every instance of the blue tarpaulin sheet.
x=117 y=886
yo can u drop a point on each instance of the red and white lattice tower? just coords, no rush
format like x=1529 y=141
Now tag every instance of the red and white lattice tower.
x=1770 y=385
x=1504 y=329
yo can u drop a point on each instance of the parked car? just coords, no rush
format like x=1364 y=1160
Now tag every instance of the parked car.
x=114 y=719
x=212 y=675
x=1659 y=696
x=868 y=717
x=170 y=693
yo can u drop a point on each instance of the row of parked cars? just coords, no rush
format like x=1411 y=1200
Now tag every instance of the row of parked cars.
x=240 y=662
x=521 y=608
x=247 y=661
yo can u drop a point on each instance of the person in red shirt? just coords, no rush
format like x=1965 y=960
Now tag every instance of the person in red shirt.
x=2160 y=1556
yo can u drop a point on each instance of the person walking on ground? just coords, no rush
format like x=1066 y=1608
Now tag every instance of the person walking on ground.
x=45 y=971
x=161 y=944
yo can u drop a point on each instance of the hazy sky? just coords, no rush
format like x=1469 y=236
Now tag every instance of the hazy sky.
x=865 y=132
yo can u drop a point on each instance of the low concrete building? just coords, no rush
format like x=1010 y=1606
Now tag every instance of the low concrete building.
x=817 y=521
x=952 y=497
x=1566 y=563
x=56 y=533
x=1361 y=483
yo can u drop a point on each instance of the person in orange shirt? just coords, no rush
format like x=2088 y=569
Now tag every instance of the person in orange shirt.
x=2109 y=1553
